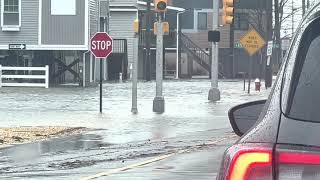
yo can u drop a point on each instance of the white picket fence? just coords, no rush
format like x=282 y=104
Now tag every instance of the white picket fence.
x=30 y=69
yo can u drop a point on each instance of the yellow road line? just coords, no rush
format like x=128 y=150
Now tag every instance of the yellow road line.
x=114 y=171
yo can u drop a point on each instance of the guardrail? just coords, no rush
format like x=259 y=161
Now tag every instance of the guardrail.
x=44 y=77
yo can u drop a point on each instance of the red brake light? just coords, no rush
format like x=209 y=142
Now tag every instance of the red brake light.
x=298 y=158
x=255 y=161
x=297 y=164
x=249 y=162
x=246 y=161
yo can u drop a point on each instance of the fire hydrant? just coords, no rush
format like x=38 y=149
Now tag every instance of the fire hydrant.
x=257 y=83
x=120 y=77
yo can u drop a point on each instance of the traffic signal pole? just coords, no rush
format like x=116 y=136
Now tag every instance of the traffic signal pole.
x=148 y=43
x=158 y=102
x=214 y=93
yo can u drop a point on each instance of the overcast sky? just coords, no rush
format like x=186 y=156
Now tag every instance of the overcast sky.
x=288 y=25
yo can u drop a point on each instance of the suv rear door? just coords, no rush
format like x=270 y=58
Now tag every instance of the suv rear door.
x=297 y=153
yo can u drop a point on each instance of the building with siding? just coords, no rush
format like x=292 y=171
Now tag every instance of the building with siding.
x=197 y=21
x=53 y=32
x=122 y=15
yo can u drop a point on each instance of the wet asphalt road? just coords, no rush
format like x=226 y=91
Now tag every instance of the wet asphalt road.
x=190 y=125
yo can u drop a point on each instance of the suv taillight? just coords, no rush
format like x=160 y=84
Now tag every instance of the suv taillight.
x=255 y=161
x=298 y=165
x=247 y=162
x=247 y=165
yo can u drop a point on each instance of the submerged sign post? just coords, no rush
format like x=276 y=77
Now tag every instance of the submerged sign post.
x=252 y=42
x=101 y=46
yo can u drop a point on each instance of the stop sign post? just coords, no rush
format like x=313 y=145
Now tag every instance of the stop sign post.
x=101 y=46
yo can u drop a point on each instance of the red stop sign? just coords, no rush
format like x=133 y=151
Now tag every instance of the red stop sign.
x=101 y=45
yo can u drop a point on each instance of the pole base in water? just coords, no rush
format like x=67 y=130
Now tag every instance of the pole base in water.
x=214 y=95
x=134 y=110
x=158 y=105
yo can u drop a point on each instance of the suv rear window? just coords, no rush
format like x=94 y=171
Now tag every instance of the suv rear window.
x=304 y=103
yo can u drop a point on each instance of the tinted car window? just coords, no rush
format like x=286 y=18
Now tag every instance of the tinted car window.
x=305 y=101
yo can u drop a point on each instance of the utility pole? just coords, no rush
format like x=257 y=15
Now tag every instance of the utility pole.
x=268 y=67
x=107 y=29
x=159 y=102
x=134 y=108
x=232 y=50
x=214 y=93
x=303 y=7
x=292 y=19
x=148 y=43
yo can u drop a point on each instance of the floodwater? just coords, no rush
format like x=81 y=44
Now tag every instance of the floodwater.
x=190 y=123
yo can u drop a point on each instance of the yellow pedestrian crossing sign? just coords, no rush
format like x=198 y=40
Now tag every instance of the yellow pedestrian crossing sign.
x=252 y=42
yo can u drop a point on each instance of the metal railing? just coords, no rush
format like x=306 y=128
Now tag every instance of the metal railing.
x=44 y=77
x=200 y=56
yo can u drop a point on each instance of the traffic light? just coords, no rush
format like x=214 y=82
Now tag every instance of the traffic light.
x=165 y=28
x=160 y=5
x=228 y=12
x=136 y=26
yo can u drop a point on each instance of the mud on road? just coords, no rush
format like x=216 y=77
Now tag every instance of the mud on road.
x=21 y=135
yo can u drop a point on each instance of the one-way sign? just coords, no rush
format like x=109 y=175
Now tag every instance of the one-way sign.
x=17 y=46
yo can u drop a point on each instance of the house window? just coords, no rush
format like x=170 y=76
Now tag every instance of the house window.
x=202 y=21
x=10 y=15
x=241 y=22
x=63 y=7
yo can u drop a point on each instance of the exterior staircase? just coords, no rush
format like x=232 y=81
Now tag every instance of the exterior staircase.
x=199 y=55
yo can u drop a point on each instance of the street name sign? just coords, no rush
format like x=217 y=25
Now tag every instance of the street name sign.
x=252 y=42
x=17 y=46
x=101 y=45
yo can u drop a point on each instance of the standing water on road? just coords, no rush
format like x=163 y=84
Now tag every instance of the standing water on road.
x=187 y=108
x=190 y=123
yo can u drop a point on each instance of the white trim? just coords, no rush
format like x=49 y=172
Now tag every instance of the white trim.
x=40 y=23
x=169 y=7
x=123 y=10
x=11 y=68
x=10 y=27
x=52 y=47
x=58 y=47
x=86 y=35
x=24 y=85
x=24 y=76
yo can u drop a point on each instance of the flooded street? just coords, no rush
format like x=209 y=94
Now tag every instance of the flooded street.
x=189 y=125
